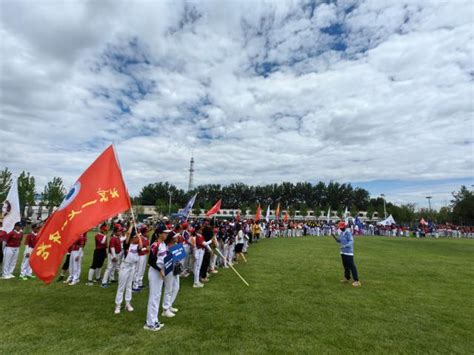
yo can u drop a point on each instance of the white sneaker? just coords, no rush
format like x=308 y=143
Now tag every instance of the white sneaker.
x=174 y=310
x=117 y=310
x=11 y=276
x=214 y=271
x=198 y=285
x=129 y=307
x=73 y=283
x=168 y=314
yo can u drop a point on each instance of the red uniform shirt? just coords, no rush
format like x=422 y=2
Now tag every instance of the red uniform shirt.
x=200 y=241
x=80 y=242
x=31 y=239
x=100 y=241
x=13 y=239
x=145 y=243
x=3 y=235
x=115 y=244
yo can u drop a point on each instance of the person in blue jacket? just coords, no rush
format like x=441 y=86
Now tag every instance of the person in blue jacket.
x=347 y=253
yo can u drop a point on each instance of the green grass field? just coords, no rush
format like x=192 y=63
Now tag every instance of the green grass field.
x=416 y=296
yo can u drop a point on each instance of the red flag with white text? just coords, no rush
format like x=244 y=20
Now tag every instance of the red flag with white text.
x=100 y=193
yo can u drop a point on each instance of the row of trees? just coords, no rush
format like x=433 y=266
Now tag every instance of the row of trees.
x=301 y=196
x=53 y=193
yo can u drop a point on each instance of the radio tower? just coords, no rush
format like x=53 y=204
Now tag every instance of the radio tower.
x=191 y=174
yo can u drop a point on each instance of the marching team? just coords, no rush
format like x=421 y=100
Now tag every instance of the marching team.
x=129 y=249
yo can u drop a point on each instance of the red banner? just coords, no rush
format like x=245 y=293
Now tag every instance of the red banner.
x=214 y=208
x=258 y=214
x=100 y=193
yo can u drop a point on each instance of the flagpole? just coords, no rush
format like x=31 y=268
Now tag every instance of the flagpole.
x=232 y=267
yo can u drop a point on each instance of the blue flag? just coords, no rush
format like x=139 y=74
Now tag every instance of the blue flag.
x=178 y=252
x=168 y=263
x=185 y=212
x=358 y=223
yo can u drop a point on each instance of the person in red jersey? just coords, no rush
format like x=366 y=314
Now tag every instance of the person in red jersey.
x=114 y=254
x=30 y=243
x=3 y=234
x=100 y=253
x=11 y=251
x=77 y=252
x=142 y=257
x=132 y=244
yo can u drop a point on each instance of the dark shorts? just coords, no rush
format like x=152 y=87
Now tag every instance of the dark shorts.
x=98 y=258
x=239 y=247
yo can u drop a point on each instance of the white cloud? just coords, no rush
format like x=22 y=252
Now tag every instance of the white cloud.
x=257 y=91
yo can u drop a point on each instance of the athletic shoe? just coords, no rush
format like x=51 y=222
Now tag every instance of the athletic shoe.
x=32 y=277
x=136 y=290
x=168 y=314
x=356 y=284
x=117 y=310
x=89 y=283
x=129 y=307
x=198 y=285
x=73 y=283
x=214 y=271
x=11 y=276
x=345 y=281
x=24 y=278
x=174 y=310
x=104 y=285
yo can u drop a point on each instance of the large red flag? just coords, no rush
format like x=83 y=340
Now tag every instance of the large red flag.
x=258 y=214
x=285 y=219
x=214 y=208
x=277 y=212
x=100 y=193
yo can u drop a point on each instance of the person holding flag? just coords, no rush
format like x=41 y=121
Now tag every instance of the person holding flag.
x=240 y=239
x=347 y=253
x=100 y=253
x=132 y=245
x=114 y=254
x=30 y=242
x=11 y=250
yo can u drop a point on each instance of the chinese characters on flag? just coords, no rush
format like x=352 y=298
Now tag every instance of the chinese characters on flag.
x=100 y=193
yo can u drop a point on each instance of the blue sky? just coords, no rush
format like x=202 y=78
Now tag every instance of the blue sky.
x=377 y=93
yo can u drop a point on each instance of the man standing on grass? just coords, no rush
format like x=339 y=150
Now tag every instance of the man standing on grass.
x=347 y=253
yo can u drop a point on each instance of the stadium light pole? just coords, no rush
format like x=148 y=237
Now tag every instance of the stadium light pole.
x=384 y=207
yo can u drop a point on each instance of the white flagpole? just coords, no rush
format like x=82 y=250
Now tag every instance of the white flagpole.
x=231 y=266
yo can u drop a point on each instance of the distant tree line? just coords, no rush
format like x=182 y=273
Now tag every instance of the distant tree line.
x=302 y=196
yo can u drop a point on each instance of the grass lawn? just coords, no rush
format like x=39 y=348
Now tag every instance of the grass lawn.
x=416 y=296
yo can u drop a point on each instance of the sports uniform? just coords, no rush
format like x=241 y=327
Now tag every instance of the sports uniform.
x=100 y=253
x=11 y=251
x=30 y=243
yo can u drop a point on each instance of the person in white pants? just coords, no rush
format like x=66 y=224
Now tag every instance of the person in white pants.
x=133 y=243
x=30 y=243
x=156 y=274
x=11 y=251
x=141 y=266
x=75 y=262
x=171 y=282
x=198 y=256
x=114 y=255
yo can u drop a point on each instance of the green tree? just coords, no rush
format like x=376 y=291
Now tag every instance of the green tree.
x=5 y=183
x=26 y=190
x=53 y=194
x=463 y=206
